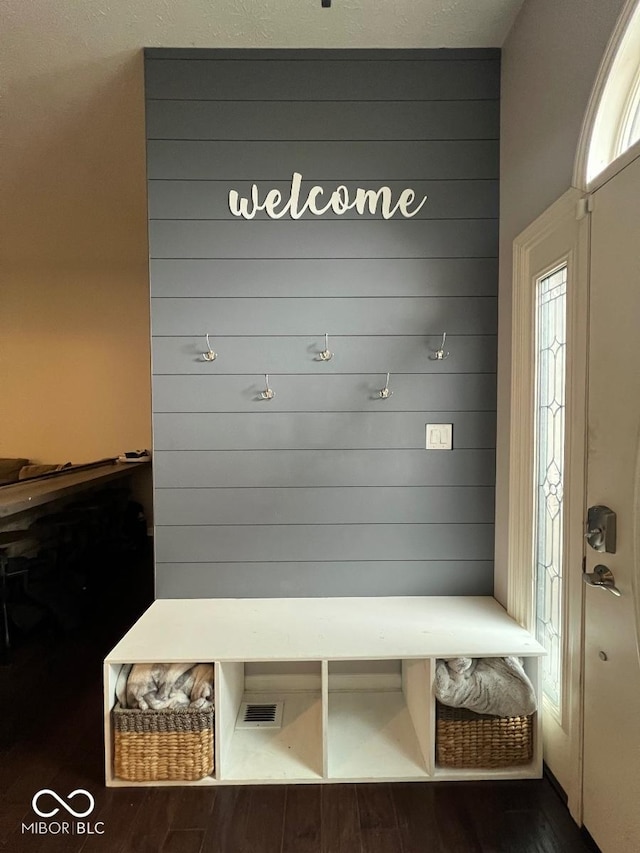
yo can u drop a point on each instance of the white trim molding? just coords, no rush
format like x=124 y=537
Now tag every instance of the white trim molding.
x=559 y=236
x=520 y=594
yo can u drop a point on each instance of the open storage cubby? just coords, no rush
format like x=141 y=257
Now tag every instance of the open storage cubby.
x=290 y=750
x=354 y=677
x=517 y=729
x=157 y=747
x=378 y=719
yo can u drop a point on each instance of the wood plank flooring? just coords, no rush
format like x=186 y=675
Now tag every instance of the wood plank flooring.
x=47 y=741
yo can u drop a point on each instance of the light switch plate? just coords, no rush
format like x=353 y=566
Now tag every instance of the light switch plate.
x=439 y=436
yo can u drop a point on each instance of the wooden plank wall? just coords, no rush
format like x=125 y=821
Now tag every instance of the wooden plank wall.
x=326 y=489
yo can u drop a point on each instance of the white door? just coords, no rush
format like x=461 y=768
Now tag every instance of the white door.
x=611 y=780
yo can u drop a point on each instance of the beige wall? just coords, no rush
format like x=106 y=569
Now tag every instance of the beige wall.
x=550 y=61
x=75 y=319
x=74 y=328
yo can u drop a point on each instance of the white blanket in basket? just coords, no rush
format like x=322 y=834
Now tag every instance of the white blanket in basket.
x=485 y=685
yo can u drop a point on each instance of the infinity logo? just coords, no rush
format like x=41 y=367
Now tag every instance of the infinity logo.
x=64 y=805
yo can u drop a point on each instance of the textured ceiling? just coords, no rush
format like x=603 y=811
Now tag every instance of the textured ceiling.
x=270 y=23
x=402 y=23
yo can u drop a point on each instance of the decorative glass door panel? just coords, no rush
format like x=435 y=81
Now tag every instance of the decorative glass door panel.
x=550 y=405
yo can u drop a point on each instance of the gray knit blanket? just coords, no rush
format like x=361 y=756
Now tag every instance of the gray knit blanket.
x=485 y=685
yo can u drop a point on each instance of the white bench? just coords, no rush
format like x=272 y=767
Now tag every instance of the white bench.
x=355 y=674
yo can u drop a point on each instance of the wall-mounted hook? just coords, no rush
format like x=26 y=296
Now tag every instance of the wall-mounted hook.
x=386 y=391
x=268 y=393
x=326 y=354
x=210 y=355
x=440 y=354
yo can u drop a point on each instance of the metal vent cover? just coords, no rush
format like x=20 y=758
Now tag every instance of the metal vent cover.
x=260 y=715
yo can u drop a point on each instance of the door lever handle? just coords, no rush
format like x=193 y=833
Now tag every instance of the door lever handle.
x=602 y=578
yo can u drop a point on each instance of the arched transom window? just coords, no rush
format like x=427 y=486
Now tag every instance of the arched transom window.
x=612 y=124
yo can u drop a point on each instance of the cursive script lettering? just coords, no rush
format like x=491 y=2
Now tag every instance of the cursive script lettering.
x=317 y=202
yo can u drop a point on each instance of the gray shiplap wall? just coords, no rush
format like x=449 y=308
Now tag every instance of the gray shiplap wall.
x=326 y=489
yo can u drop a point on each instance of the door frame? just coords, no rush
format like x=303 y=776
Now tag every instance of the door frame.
x=568 y=213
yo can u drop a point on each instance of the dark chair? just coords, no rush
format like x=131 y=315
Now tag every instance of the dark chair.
x=18 y=549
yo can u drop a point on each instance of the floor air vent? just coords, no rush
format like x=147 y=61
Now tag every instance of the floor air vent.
x=260 y=715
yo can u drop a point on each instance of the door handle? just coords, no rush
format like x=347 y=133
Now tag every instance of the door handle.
x=602 y=578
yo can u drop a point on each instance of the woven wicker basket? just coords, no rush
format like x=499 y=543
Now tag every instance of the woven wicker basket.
x=162 y=745
x=465 y=739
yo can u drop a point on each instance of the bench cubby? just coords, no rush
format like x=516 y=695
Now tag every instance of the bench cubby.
x=379 y=730
x=291 y=751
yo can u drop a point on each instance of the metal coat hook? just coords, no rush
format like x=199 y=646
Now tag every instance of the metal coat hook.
x=440 y=354
x=386 y=391
x=268 y=393
x=326 y=354
x=210 y=355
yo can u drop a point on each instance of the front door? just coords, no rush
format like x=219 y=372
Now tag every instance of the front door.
x=611 y=780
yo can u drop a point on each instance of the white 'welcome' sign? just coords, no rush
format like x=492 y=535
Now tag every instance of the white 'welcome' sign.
x=317 y=201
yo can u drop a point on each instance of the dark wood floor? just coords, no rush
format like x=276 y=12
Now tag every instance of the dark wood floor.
x=48 y=742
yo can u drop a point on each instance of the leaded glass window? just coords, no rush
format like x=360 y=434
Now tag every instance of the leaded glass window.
x=551 y=345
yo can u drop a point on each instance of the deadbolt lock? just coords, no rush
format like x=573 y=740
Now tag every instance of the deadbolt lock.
x=601 y=529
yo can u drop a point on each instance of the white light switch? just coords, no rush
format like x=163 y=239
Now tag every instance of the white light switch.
x=439 y=436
